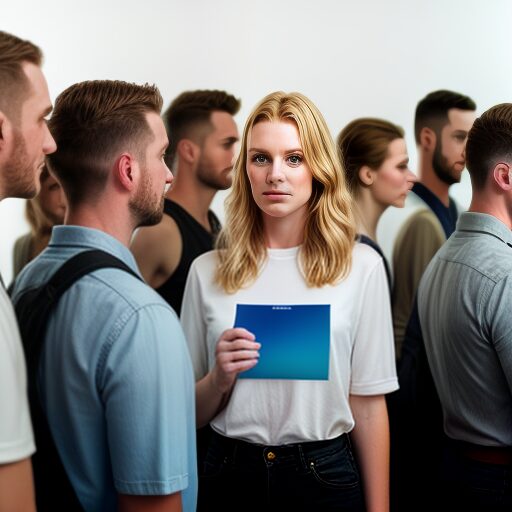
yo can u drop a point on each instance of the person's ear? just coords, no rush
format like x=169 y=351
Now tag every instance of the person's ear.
x=126 y=171
x=502 y=174
x=428 y=138
x=366 y=175
x=188 y=151
x=5 y=131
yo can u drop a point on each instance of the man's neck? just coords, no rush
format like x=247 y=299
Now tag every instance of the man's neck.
x=194 y=199
x=109 y=221
x=483 y=202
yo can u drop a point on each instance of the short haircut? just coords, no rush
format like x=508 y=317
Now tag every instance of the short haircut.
x=14 y=85
x=432 y=110
x=365 y=141
x=192 y=110
x=92 y=123
x=489 y=142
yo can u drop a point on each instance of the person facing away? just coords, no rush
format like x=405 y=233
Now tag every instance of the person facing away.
x=115 y=377
x=24 y=142
x=289 y=240
x=203 y=136
x=375 y=162
x=42 y=212
x=464 y=302
x=442 y=121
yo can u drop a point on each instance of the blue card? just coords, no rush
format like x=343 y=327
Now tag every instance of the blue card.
x=295 y=340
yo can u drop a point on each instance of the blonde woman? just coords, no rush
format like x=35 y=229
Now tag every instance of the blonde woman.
x=43 y=212
x=376 y=165
x=288 y=245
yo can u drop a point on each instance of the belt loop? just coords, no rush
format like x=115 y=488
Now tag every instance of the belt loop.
x=302 y=456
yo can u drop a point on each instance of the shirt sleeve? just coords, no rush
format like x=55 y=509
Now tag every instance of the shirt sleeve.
x=148 y=390
x=192 y=319
x=373 y=355
x=16 y=437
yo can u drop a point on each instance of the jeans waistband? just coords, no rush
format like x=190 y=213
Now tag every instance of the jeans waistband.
x=276 y=453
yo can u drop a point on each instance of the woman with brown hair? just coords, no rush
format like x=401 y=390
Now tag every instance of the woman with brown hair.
x=375 y=161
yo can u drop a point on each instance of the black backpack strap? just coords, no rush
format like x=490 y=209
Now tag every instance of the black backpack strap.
x=44 y=299
x=33 y=308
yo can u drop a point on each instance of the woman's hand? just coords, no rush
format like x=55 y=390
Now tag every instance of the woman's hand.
x=236 y=351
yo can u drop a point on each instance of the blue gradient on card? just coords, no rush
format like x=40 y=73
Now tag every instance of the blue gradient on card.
x=295 y=340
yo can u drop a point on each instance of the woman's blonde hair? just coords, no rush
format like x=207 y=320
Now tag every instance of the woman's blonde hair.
x=326 y=252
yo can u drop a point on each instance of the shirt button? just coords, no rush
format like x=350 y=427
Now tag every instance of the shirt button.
x=271 y=456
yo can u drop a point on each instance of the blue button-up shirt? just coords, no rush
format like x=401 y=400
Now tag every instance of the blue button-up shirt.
x=465 y=308
x=116 y=379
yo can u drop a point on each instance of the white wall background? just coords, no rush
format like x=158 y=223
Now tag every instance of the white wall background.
x=351 y=57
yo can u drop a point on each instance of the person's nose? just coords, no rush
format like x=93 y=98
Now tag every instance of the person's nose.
x=49 y=144
x=275 y=173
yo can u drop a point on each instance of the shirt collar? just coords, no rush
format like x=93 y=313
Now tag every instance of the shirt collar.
x=90 y=238
x=483 y=222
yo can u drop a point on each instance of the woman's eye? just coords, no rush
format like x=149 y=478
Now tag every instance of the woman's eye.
x=259 y=159
x=295 y=159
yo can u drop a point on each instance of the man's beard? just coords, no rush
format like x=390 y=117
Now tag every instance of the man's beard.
x=19 y=173
x=441 y=168
x=146 y=207
x=210 y=178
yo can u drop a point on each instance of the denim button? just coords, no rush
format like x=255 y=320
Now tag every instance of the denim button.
x=271 y=456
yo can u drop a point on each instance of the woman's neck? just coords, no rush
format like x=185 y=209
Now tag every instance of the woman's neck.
x=368 y=213
x=284 y=232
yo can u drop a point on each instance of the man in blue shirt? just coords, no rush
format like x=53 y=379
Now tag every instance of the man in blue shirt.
x=464 y=305
x=116 y=380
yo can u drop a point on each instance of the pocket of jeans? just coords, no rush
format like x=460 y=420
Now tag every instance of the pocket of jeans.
x=337 y=470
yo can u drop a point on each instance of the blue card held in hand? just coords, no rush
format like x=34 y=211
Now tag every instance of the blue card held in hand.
x=295 y=340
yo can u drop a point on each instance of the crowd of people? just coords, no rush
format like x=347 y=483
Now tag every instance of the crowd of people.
x=149 y=390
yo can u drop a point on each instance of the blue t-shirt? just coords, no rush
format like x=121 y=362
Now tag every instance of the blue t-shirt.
x=115 y=380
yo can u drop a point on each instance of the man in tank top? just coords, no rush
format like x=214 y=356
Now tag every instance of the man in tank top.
x=203 y=137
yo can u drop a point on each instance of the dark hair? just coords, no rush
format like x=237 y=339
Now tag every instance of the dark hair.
x=92 y=122
x=191 y=110
x=14 y=85
x=365 y=141
x=489 y=140
x=432 y=110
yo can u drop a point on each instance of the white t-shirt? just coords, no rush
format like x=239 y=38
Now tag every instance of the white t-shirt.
x=16 y=438
x=362 y=360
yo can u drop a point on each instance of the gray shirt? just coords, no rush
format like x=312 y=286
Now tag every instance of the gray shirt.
x=465 y=308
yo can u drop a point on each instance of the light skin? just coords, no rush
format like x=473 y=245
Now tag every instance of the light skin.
x=450 y=152
x=50 y=206
x=203 y=167
x=495 y=198
x=282 y=184
x=383 y=187
x=24 y=143
x=52 y=200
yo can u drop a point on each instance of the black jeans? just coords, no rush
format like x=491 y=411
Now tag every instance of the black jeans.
x=313 y=476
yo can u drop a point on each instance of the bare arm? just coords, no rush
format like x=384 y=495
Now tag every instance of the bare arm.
x=17 y=487
x=371 y=442
x=236 y=352
x=168 y=503
x=157 y=250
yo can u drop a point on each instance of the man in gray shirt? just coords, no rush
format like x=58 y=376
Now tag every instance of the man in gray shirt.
x=465 y=312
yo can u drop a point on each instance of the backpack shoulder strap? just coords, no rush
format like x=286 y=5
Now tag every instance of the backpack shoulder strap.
x=79 y=265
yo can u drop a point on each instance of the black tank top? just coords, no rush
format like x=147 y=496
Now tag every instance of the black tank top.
x=195 y=240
